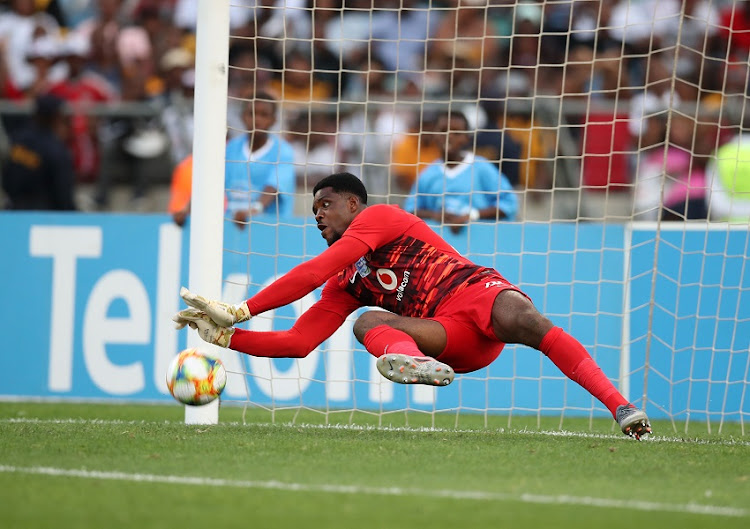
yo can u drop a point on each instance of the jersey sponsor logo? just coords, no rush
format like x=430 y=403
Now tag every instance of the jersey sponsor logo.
x=402 y=286
x=490 y=284
x=387 y=279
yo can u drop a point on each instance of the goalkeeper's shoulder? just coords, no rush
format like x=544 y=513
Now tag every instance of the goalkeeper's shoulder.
x=388 y=216
x=385 y=222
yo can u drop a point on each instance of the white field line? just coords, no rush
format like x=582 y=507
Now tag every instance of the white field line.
x=730 y=441
x=477 y=495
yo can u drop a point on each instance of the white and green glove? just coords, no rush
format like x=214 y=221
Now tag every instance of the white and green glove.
x=208 y=330
x=223 y=314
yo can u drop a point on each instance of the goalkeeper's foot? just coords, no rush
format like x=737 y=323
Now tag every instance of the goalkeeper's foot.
x=406 y=369
x=633 y=421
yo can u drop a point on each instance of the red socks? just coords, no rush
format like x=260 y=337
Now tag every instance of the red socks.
x=574 y=361
x=385 y=339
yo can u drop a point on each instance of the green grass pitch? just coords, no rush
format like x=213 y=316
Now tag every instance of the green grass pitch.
x=95 y=465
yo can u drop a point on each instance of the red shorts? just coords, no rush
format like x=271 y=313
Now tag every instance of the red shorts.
x=467 y=320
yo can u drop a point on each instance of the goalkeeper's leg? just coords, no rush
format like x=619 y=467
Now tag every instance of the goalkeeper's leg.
x=399 y=357
x=515 y=320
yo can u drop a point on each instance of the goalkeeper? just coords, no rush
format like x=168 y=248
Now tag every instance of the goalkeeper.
x=445 y=314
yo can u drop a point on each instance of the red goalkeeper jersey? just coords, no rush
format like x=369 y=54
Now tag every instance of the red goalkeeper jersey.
x=386 y=258
x=409 y=269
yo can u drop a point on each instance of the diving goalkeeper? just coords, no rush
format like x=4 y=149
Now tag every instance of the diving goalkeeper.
x=445 y=314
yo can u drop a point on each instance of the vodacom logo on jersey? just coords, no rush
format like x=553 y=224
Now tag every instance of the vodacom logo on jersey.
x=388 y=280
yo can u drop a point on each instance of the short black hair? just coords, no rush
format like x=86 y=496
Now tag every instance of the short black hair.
x=343 y=183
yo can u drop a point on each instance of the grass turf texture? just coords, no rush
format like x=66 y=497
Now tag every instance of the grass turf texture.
x=92 y=465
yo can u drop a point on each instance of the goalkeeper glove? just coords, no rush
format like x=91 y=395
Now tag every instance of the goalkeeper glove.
x=207 y=329
x=224 y=314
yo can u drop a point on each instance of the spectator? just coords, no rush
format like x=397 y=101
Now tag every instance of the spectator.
x=259 y=166
x=180 y=191
x=365 y=141
x=398 y=53
x=697 y=33
x=43 y=56
x=465 y=30
x=366 y=132
x=19 y=28
x=297 y=82
x=177 y=115
x=162 y=34
x=525 y=55
x=658 y=94
x=38 y=173
x=348 y=29
x=684 y=34
x=80 y=89
x=136 y=142
x=464 y=43
x=249 y=72
x=313 y=138
x=393 y=32
x=538 y=143
x=369 y=81
x=413 y=151
x=649 y=167
x=461 y=187
x=495 y=145
x=685 y=179
x=103 y=31
x=586 y=26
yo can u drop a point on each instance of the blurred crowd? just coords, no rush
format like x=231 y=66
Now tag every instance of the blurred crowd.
x=633 y=98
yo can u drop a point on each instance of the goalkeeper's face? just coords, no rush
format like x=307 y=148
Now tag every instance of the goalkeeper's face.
x=334 y=212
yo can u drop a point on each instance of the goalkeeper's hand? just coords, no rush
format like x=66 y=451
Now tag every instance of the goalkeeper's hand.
x=207 y=329
x=223 y=314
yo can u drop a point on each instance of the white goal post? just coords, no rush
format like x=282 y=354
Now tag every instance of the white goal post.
x=612 y=164
x=207 y=206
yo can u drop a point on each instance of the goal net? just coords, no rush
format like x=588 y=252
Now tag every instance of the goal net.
x=618 y=127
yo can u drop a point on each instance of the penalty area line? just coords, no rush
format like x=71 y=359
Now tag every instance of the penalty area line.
x=476 y=495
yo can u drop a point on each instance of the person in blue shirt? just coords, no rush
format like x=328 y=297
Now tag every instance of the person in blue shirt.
x=460 y=187
x=260 y=175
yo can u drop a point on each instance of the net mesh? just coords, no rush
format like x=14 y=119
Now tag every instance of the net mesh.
x=618 y=128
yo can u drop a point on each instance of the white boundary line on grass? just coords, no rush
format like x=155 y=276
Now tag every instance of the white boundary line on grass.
x=360 y=427
x=477 y=495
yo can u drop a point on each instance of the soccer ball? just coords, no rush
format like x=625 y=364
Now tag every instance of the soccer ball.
x=196 y=378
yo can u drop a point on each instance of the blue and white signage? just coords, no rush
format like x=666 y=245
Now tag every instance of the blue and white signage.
x=87 y=302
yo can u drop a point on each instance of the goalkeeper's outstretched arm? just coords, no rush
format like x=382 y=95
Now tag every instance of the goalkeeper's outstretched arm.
x=310 y=330
x=306 y=277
